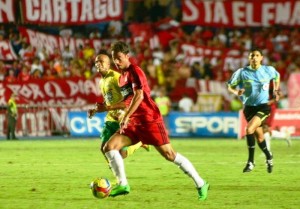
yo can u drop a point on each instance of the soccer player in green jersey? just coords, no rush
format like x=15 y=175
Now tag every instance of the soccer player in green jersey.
x=253 y=88
x=112 y=95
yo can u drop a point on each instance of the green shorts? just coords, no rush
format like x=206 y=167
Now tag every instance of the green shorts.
x=108 y=130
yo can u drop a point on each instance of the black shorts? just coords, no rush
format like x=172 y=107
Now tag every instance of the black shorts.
x=262 y=111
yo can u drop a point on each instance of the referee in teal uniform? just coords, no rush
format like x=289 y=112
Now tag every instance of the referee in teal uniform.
x=251 y=84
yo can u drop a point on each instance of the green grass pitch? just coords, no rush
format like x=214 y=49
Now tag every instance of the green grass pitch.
x=55 y=174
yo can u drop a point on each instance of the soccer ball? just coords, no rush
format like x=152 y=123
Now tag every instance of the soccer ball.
x=101 y=187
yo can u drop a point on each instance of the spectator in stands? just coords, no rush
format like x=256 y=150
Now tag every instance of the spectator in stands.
x=163 y=103
x=43 y=55
x=24 y=75
x=16 y=66
x=67 y=56
x=2 y=33
x=2 y=71
x=27 y=52
x=186 y=104
x=65 y=33
x=75 y=70
x=15 y=41
x=88 y=51
x=36 y=66
x=10 y=78
x=115 y=28
x=36 y=74
x=12 y=114
x=49 y=75
x=95 y=34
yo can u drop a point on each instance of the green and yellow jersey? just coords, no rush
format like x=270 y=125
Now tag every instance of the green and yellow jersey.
x=12 y=107
x=111 y=93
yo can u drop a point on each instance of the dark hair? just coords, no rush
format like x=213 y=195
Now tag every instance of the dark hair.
x=120 y=46
x=103 y=51
x=256 y=49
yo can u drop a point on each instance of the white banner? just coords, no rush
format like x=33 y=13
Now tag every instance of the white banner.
x=71 y=12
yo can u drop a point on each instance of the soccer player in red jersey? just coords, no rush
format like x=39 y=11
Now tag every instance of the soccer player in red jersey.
x=267 y=126
x=142 y=121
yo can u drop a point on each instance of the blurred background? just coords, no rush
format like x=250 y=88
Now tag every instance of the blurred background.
x=187 y=48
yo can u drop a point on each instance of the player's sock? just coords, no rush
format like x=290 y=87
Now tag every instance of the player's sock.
x=278 y=134
x=187 y=167
x=262 y=145
x=251 y=147
x=131 y=149
x=117 y=165
x=267 y=137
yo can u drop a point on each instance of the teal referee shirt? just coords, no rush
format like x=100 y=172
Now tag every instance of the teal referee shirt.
x=255 y=82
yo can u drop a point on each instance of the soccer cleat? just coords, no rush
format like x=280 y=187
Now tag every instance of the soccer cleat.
x=288 y=138
x=119 y=190
x=202 y=191
x=270 y=164
x=249 y=167
x=146 y=147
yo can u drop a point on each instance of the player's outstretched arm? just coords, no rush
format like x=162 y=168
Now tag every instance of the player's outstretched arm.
x=91 y=113
x=237 y=92
x=101 y=107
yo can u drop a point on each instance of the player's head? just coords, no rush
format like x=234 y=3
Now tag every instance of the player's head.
x=255 y=58
x=120 y=54
x=102 y=62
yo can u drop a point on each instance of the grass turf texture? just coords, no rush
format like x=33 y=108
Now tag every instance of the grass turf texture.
x=48 y=174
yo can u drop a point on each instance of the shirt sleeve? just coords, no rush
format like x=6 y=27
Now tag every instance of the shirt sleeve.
x=276 y=75
x=235 y=78
x=136 y=76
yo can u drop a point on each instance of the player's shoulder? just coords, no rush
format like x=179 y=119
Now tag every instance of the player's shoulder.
x=135 y=67
x=240 y=70
x=113 y=74
x=268 y=67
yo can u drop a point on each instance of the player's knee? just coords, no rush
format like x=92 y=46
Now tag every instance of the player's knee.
x=169 y=155
x=250 y=130
x=108 y=147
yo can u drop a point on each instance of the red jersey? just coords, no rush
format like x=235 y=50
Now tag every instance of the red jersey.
x=134 y=78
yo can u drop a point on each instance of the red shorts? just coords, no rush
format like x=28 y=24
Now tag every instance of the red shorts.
x=150 y=133
x=270 y=119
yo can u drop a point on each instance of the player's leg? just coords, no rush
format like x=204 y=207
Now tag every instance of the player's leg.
x=267 y=135
x=128 y=151
x=131 y=149
x=262 y=145
x=282 y=135
x=250 y=136
x=156 y=134
x=186 y=166
x=112 y=152
x=108 y=130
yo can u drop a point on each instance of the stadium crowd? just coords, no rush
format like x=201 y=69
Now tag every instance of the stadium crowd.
x=165 y=66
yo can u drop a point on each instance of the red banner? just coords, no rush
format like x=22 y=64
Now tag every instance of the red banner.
x=246 y=13
x=293 y=86
x=58 y=92
x=7 y=13
x=285 y=120
x=52 y=42
x=71 y=12
x=6 y=51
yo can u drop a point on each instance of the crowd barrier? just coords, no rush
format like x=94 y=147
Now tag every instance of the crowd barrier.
x=40 y=121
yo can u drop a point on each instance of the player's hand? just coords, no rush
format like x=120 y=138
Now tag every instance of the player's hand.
x=276 y=95
x=100 y=107
x=123 y=123
x=240 y=92
x=91 y=113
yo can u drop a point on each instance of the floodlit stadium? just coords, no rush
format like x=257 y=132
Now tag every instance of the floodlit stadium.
x=190 y=52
